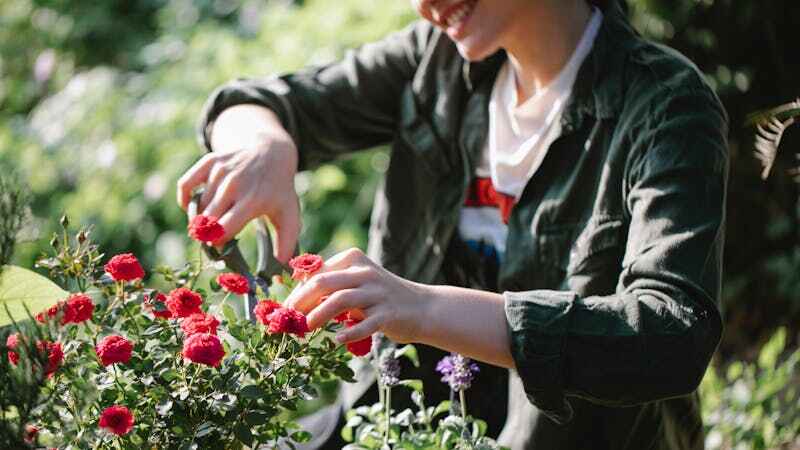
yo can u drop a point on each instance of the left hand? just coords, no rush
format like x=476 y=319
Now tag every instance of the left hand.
x=351 y=281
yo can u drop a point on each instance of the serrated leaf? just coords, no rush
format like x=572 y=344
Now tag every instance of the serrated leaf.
x=22 y=287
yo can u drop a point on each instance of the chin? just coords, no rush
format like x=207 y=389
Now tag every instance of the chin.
x=474 y=53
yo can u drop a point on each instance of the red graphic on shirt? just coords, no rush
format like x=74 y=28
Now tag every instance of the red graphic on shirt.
x=481 y=192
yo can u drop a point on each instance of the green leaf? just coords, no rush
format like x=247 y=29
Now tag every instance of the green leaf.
x=252 y=391
x=772 y=349
x=229 y=313
x=410 y=352
x=242 y=433
x=301 y=436
x=255 y=418
x=20 y=288
x=413 y=384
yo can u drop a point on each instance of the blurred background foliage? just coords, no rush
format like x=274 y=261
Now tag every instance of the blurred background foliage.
x=98 y=102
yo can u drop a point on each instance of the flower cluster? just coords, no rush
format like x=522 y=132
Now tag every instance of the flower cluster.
x=458 y=371
x=142 y=356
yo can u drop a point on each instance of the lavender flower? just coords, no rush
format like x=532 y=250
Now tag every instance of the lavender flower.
x=389 y=370
x=458 y=371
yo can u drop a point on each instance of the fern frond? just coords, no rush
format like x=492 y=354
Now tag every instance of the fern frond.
x=771 y=124
x=782 y=113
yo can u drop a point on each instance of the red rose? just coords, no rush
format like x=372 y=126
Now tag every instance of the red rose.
x=30 y=433
x=183 y=302
x=361 y=347
x=203 y=348
x=116 y=419
x=124 y=267
x=287 y=320
x=205 y=229
x=305 y=265
x=55 y=355
x=11 y=342
x=157 y=306
x=78 y=308
x=264 y=309
x=199 y=323
x=234 y=283
x=114 y=349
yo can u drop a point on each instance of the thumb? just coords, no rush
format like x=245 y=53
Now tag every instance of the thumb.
x=287 y=230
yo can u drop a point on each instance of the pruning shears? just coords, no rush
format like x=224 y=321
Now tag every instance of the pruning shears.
x=266 y=267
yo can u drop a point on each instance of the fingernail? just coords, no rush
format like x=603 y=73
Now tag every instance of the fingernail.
x=340 y=338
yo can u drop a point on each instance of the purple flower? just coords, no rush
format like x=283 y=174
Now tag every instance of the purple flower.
x=457 y=371
x=389 y=370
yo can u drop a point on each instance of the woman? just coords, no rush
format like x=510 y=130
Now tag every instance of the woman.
x=583 y=168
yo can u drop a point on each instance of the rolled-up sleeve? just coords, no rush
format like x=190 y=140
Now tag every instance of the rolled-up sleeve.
x=654 y=337
x=340 y=107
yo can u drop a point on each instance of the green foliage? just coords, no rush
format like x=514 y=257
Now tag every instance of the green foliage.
x=13 y=204
x=754 y=406
x=440 y=427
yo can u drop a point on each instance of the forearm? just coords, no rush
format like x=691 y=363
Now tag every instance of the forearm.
x=469 y=322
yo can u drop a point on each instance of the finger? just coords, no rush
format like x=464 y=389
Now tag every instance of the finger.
x=308 y=295
x=216 y=176
x=362 y=330
x=345 y=259
x=339 y=302
x=222 y=201
x=287 y=230
x=233 y=221
x=193 y=177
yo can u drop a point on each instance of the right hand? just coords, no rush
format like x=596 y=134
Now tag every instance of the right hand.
x=256 y=179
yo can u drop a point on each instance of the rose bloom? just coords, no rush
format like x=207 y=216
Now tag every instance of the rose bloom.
x=55 y=355
x=183 y=302
x=30 y=433
x=153 y=303
x=124 y=267
x=287 y=320
x=234 y=283
x=199 y=323
x=11 y=342
x=361 y=347
x=203 y=348
x=114 y=349
x=79 y=308
x=116 y=419
x=264 y=309
x=305 y=265
x=205 y=229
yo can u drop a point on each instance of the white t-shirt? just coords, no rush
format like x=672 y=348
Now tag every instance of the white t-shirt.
x=519 y=136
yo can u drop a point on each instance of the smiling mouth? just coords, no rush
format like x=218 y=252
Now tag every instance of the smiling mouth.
x=456 y=16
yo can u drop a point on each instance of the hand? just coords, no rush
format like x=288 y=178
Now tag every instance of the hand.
x=351 y=281
x=246 y=178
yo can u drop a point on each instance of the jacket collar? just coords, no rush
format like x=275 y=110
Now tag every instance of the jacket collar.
x=598 y=87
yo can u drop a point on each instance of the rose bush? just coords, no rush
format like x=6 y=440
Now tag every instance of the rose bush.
x=125 y=366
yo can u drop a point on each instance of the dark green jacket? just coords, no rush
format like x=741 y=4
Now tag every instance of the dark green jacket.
x=612 y=270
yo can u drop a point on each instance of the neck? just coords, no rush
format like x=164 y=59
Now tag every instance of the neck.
x=542 y=44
